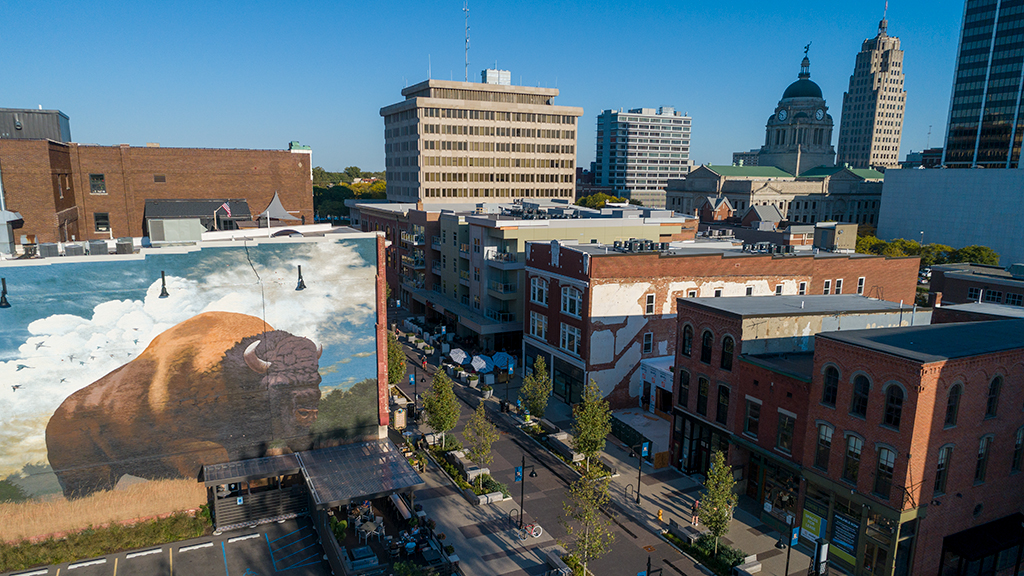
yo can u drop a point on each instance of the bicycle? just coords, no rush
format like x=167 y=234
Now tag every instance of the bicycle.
x=531 y=530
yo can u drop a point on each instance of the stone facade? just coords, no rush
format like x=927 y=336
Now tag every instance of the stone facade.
x=798 y=136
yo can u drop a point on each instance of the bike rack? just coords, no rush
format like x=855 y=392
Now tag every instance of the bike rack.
x=630 y=492
x=518 y=515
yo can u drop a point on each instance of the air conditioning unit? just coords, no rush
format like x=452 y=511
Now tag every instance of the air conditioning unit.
x=48 y=250
x=124 y=246
x=74 y=250
x=98 y=248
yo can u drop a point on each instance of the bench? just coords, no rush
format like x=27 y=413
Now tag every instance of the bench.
x=560 y=442
x=552 y=559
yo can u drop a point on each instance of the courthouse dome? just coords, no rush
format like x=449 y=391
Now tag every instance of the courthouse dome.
x=804 y=87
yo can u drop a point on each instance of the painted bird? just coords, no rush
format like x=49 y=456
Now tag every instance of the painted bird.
x=14 y=387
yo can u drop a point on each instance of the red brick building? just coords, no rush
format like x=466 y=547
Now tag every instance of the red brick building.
x=595 y=312
x=72 y=191
x=962 y=283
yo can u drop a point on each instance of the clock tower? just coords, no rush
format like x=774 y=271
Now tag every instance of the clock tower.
x=798 y=135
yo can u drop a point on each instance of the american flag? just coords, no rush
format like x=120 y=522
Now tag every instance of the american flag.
x=226 y=208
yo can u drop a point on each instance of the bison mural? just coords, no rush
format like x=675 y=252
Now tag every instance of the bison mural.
x=217 y=387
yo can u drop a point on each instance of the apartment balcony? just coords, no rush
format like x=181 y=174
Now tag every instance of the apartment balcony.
x=435 y=243
x=464 y=300
x=412 y=282
x=414 y=263
x=464 y=277
x=504 y=260
x=464 y=250
x=502 y=291
x=413 y=238
x=436 y=268
x=500 y=315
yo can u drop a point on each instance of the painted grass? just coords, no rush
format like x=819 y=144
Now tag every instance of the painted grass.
x=41 y=518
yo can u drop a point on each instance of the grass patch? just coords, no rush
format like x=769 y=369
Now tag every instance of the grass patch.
x=703 y=551
x=91 y=543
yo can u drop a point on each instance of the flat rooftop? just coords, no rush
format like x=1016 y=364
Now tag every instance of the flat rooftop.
x=937 y=342
x=988 y=308
x=756 y=306
x=799 y=365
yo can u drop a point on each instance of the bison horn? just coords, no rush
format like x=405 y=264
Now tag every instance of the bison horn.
x=253 y=361
x=319 y=350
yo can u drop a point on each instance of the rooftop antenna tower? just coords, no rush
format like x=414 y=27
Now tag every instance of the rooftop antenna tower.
x=465 y=8
x=928 y=142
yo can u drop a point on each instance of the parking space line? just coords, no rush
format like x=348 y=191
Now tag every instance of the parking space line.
x=143 y=553
x=285 y=536
x=314 y=557
x=240 y=538
x=267 y=536
x=96 y=562
x=36 y=573
x=299 y=550
x=195 y=547
x=224 y=552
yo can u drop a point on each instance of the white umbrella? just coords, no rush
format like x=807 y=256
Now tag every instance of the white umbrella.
x=458 y=355
x=482 y=364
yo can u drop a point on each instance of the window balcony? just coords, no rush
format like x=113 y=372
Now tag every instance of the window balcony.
x=464 y=277
x=413 y=238
x=464 y=250
x=436 y=268
x=435 y=243
x=502 y=291
x=500 y=315
x=414 y=263
x=504 y=260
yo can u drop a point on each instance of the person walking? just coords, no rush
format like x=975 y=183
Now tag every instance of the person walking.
x=694 y=510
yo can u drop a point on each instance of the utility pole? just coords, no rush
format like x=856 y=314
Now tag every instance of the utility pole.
x=640 y=451
x=522 y=486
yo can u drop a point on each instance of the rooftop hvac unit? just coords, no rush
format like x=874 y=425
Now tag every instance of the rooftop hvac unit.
x=74 y=250
x=663 y=246
x=636 y=245
x=648 y=245
x=98 y=248
x=617 y=244
x=124 y=246
x=48 y=250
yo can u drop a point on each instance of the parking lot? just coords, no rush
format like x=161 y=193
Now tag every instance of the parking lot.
x=290 y=548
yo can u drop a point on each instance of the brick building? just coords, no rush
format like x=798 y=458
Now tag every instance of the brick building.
x=69 y=191
x=594 y=311
x=963 y=283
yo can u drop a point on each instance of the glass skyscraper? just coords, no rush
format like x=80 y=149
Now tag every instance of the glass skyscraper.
x=986 y=122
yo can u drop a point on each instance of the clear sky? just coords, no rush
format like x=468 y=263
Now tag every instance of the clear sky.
x=259 y=74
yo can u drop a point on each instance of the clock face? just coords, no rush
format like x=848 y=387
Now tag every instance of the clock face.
x=783 y=115
x=819 y=114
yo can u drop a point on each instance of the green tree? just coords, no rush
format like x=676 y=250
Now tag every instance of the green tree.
x=441 y=405
x=352 y=172
x=592 y=423
x=396 y=360
x=976 y=255
x=934 y=254
x=480 y=434
x=597 y=201
x=587 y=529
x=536 y=389
x=870 y=245
x=719 y=499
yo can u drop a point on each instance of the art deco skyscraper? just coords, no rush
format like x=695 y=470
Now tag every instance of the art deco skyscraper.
x=986 y=122
x=872 y=122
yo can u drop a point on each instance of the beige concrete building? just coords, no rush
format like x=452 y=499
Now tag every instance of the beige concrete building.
x=872 y=122
x=454 y=142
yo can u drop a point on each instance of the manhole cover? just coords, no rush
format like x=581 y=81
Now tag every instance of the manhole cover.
x=649 y=548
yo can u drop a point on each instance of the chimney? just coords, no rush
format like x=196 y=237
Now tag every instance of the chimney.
x=935 y=299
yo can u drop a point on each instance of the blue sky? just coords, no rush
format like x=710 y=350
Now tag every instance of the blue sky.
x=259 y=74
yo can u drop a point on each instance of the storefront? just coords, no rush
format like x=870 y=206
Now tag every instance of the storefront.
x=775 y=486
x=995 y=548
x=567 y=380
x=695 y=442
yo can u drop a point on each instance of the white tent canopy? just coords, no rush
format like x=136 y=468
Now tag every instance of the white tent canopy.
x=276 y=210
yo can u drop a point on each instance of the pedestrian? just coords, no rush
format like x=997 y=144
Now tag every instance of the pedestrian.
x=694 y=510
x=424 y=363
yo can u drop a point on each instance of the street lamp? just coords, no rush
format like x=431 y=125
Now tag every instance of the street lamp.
x=644 y=450
x=788 y=546
x=522 y=486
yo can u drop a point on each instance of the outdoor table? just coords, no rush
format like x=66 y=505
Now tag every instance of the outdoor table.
x=368 y=526
x=432 y=557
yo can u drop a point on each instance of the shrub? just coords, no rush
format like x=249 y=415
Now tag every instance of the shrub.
x=703 y=551
x=449 y=549
x=486 y=388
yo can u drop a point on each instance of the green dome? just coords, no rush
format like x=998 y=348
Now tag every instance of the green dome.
x=802 y=88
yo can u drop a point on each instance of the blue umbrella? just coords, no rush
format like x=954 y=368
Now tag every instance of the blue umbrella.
x=502 y=360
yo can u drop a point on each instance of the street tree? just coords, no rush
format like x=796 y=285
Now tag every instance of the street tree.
x=536 y=389
x=719 y=499
x=396 y=360
x=480 y=434
x=588 y=534
x=592 y=422
x=441 y=405
x=975 y=255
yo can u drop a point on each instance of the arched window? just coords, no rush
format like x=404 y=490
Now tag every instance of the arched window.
x=893 y=406
x=687 y=340
x=993 y=397
x=831 y=387
x=706 y=342
x=953 y=404
x=727 y=350
x=859 y=404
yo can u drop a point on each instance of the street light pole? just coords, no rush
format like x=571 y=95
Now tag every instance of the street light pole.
x=522 y=487
x=641 y=451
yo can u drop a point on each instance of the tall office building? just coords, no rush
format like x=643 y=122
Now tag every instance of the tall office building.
x=872 y=122
x=986 y=122
x=638 y=151
x=460 y=141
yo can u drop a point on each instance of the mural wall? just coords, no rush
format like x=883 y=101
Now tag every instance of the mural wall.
x=102 y=379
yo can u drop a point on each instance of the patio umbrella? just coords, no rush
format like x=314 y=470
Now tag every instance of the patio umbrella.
x=502 y=360
x=458 y=355
x=482 y=364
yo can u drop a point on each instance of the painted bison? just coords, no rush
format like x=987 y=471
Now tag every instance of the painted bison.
x=217 y=387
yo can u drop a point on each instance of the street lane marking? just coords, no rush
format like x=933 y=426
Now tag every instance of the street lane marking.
x=143 y=553
x=96 y=562
x=195 y=547
x=224 y=552
x=240 y=538
x=36 y=573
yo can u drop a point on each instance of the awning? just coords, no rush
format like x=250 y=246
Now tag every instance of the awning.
x=276 y=210
x=355 y=472
x=988 y=539
x=254 y=469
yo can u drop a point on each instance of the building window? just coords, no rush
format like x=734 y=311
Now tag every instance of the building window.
x=649 y=307
x=893 y=406
x=706 y=342
x=702 y=395
x=839 y=285
x=727 y=351
x=97 y=184
x=803 y=289
x=753 y=418
x=1014 y=299
x=974 y=294
x=942 y=469
x=723 y=405
x=570 y=339
x=684 y=388
x=884 y=473
x=860 y=285
x=159 y=178
x=476 y=245
x=851 y=466
x=831 y=386
x=993 y=397
x=718 y=292
x=750 y=290
x=648 y=342
x=953 y=405
x=687 y=346
x=784 y=440
x=539 y=291
x=1018 y=451
x=691 y=294
x=101 y=220
x=859 y=404
x=571 y=301
x=538 y=326
x=828 y=287
x=824 y=447
x=778 y=289
x=995 y=296
x=982 y=464
x=476 y=274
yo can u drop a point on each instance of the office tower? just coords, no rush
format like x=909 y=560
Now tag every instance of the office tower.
x=798 y=136
x=638 y=151
x=458 y=142
x=872 y=122
x=986 y=122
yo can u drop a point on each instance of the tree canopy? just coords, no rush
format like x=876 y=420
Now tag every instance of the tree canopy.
x=587 y=530
x=441 y=405
x=479 y=434
x=322 y=177
x=536 y=389
x=396 y=360
x=597 y=201
x=931 y=254
x=592 y=423
x=329 y=202
x=716 y=507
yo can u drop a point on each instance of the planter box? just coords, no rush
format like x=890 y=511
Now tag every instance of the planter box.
x=473 y=382
x=560 y=443
x=547 y=426
x=487 y=393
